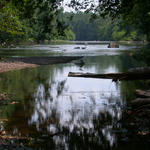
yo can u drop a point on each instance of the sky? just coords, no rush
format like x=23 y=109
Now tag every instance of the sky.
x=68 y=9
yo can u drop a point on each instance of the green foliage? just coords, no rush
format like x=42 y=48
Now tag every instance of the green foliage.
x=10 y=25
x=86 y=28
x=105 y=29
x=45 y=20
x=136 y=12
x=25 y=19
x=143 y=55
x=69 y=35
x=133 y=12
x=83 y=28
x=118 y=35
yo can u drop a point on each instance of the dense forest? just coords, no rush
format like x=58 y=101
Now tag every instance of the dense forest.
x=37 y=21
x=40 y=21
x=85 y=27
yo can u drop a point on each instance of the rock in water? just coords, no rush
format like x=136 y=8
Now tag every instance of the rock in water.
x=77 y=48
x=113 y=45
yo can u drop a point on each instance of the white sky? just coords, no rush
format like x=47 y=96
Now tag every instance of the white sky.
x=66 y=8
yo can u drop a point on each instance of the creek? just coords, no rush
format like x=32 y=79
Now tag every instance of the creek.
x=60 y=112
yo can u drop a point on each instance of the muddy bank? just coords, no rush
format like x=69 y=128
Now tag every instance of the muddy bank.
x=8 y=66
x=44 y=60
x=7 y=141
x=14 y=143
x=28 y=62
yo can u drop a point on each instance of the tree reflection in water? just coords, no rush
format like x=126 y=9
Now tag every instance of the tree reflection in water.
x=69 y=113
x=76 y=120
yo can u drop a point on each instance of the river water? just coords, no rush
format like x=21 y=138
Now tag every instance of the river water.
x=61 y=112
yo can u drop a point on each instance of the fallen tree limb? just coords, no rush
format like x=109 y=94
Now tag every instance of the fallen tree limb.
x=140 y=102
x=129 y=75
x=142 y=94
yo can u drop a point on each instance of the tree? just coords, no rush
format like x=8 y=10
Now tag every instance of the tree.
x=87 y=28
x=44 y=18
x=136 y=12
x=33 y=19
x=133 y=12
x=10 y=25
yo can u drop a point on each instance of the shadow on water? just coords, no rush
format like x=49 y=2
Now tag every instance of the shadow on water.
x=70 y=113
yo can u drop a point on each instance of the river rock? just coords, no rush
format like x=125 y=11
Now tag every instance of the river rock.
x=113 y=45
x=77 y=48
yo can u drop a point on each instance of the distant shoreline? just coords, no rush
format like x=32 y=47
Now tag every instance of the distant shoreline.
x=61 y=42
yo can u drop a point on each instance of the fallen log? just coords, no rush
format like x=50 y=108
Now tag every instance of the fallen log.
x=142 y=94
x=140 y=102
x=129 y=75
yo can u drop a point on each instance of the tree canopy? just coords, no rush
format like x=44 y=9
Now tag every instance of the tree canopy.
x=36 y=19
x=86 y=28
x=133 y=12
x=41 y=20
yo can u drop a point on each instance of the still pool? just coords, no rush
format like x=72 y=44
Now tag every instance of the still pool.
x=59 y=112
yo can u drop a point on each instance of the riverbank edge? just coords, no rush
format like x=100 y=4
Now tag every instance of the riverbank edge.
x=11 y=64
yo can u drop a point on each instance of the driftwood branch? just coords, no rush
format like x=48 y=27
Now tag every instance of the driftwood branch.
x=140 y=102
x=142 y=94
x=129 y=75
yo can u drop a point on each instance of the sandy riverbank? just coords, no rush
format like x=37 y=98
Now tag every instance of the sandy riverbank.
x=29 y=62
x=8 y=66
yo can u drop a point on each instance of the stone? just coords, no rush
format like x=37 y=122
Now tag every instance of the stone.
x=113 y=45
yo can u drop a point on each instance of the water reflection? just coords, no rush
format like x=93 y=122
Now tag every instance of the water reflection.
x=76 y=106
x=68 y=113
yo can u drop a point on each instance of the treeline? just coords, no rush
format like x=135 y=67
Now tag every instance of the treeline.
x=39 y=21
x=86 y=27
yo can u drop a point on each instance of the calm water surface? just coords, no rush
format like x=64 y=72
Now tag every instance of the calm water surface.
x=61 y=112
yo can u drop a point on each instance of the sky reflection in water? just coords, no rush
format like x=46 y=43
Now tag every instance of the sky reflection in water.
x=74 y=103
x=73 y=113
